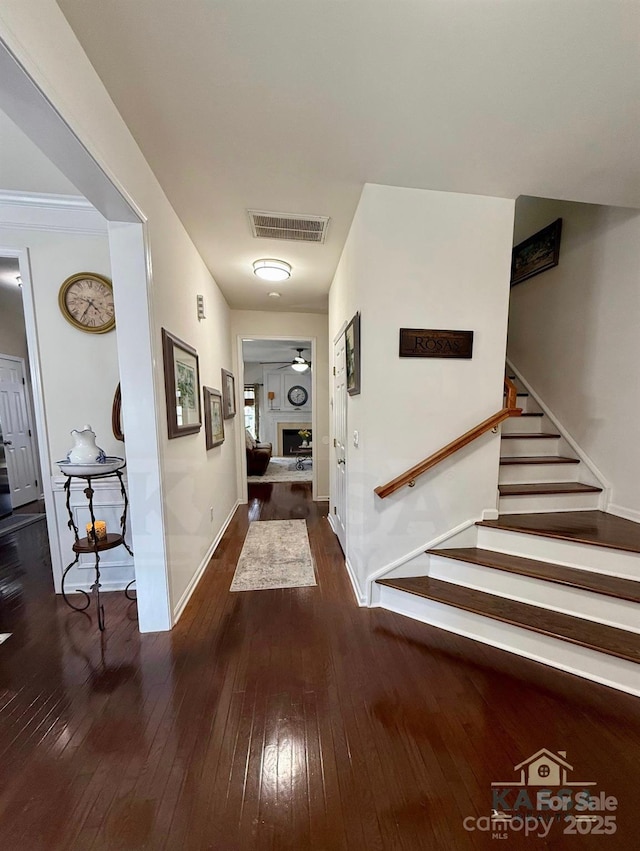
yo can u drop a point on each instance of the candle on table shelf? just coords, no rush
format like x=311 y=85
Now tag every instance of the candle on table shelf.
x=101 y=531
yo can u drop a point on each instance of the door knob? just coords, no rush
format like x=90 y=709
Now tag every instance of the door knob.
x=7 y=443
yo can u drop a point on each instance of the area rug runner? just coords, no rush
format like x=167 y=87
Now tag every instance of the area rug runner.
x=284 y=470
x=276 y=554
x=18 y=521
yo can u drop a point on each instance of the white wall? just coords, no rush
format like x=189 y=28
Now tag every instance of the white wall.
x=79 y=371
x=192 y=479
x=300 y=326
x=573 y=334
x=421 y=259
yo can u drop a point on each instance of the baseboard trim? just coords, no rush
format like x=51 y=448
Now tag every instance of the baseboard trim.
x=625 y=513
x=361 y=599
x=197 y=576
x=106 y=586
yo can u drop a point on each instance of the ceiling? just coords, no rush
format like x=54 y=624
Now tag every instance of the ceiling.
x=292 y=106
x=282 y=351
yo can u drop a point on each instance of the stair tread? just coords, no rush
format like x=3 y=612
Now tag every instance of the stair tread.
x=538 y=459
x=546 y=488
x=540 y=435
x=532 y=414
x=521 y=393
x=593 y=527
x=588 y=580
x=595 y=636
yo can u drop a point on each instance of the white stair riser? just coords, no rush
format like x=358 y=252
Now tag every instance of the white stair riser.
x=599 y=667
x=574 y=554
x=529 y=446
x=527 y=404
x=540 y=503
x=538 y=592
x=516 y=474
x=518 y=425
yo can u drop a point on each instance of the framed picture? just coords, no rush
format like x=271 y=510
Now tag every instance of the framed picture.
x=228 y=394
x=537 y=253
x=213 y=419
x=352 y=352
x=116 y=415
x=181 y=386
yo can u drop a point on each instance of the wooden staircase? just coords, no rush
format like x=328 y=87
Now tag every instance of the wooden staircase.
x=538 y=472
x=553 y=578
x=562 y=588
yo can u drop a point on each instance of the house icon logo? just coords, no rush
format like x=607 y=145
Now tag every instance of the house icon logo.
x=544 y=768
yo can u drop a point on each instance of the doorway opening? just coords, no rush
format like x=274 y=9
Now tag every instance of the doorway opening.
x=20 y=474
x=278 y=408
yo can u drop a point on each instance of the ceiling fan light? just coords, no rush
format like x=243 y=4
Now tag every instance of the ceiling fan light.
x=272 y=270
x=300 y=367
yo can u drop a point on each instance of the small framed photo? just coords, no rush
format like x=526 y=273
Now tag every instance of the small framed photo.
x=228 y=394
x=352 y=352
x=213 y=418
x=181 y=386
x=537 y=253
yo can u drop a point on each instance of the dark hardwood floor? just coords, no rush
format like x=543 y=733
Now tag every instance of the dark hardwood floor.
x=287 y=719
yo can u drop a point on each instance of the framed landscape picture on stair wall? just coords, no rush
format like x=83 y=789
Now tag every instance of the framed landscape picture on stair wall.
x=537 y=253
x=352 y=351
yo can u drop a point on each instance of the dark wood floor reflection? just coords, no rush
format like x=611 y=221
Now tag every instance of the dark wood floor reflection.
x=288 y=719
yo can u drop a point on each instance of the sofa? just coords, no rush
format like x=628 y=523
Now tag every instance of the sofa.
x=258 y=456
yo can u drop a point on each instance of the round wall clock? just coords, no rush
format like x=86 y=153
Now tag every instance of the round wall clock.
x=86 y=301
x=297 y=395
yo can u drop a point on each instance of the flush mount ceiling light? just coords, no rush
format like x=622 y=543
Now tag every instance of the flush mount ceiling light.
x=272 y=270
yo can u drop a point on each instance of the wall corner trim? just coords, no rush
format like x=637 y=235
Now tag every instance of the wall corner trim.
x=197 y=576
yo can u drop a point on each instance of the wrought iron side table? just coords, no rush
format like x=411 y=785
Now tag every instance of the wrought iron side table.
x=86 y=545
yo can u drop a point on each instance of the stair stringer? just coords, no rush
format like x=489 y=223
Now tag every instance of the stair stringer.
x=416 y=563
x=590 y=474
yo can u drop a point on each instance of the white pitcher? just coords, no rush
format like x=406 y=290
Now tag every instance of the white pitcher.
x=85 y=450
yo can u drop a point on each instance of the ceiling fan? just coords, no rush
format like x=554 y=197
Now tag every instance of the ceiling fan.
x=299 y=363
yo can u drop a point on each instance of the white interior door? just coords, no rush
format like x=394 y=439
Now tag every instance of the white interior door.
x=16 y=432
x=340 y=442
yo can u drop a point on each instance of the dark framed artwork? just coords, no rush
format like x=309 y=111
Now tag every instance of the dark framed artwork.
x=181 y=386
x=213 y=418
x=537 y=253
x=116 y=415
x=228 y=394
x=352 y=353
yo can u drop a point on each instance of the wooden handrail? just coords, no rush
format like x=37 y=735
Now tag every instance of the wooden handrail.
x=511 y=393
x=492 y=422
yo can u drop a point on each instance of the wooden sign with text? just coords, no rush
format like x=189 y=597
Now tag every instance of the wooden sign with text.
x=418 y=343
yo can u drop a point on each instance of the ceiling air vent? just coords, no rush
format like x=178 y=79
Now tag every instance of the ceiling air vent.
x=288 y=226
